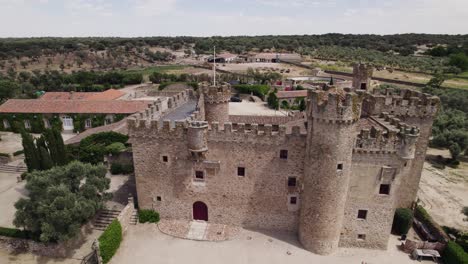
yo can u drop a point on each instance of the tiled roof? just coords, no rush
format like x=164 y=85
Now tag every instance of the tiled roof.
x=72 y=106
x=110 y=94
x=291 y=94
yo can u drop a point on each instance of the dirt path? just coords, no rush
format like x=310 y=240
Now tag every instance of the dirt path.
x=444 y=193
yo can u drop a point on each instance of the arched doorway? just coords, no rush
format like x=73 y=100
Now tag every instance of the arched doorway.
x=200 y=211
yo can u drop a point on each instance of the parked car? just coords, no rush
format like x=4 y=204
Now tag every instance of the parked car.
x=236 y=99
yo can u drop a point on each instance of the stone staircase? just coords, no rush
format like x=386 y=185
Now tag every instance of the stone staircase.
x=5 y=168
x=134 y=219
x=105 y=217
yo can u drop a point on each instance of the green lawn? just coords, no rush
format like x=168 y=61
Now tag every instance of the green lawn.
x=163 y=68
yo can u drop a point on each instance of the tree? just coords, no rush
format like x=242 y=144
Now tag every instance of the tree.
x=272 y=100
x=460 y=61
x=455 y=151
x=24 y=64
x=436 y=81
x=31 y=156
x=61 y=200
x=8 y=89
x=302 y=105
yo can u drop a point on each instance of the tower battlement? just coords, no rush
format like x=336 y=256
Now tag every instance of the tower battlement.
x=216 y=94
x=334 y=106
x=387 y=135
x=362 y=76
x=402 y=103
x=138 y=127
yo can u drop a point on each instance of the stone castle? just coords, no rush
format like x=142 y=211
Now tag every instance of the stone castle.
x=334 y=174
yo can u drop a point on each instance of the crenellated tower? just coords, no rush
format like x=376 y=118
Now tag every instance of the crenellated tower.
x=216 y=102
x=331 y=118
x=362 y=77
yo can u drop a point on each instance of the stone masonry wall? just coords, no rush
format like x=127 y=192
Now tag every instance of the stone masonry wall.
x=260 y=199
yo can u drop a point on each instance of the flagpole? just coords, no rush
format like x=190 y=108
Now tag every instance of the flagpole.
x=214 y=66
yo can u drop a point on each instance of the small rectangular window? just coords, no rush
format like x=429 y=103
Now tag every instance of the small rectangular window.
x=293 y=200
x=165 y=159
x=88 y=123
x=6 y=124
x=292 y=182
x=283 y=154
x=384 y=189
x=158 y=198
x=199 y=175
x=241 y=171
x=27 y=124
x=361 y=237
x=339 y=166
x=362 y=214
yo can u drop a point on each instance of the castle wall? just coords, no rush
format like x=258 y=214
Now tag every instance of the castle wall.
x=260 y=199
x=217 y=112
x=369 y=170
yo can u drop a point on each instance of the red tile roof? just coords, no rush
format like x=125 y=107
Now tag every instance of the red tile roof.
x=110 y=94
x=72 y=106
x=291 y=94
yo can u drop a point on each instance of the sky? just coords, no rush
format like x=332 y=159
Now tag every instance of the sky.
x=133 y=18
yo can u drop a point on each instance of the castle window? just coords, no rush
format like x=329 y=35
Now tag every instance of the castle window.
x=293 y=200
x=158 y=198
x=165 y=159
x=283 y=154
x=339 y=166
x=199 y=175
x=292 y=182
x=363 y=86
x=361 y=237
x=220 y=89
x=384 y=189
x=362 y=214
x=406 y=164
x=241 y=171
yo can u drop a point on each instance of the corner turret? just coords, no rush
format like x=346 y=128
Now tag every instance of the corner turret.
x=362 y=77
x=216 y=101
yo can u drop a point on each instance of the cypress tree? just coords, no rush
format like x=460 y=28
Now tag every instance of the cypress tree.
x=46 y=160
x=52 y=145
x=60 y=146
x=31 y=155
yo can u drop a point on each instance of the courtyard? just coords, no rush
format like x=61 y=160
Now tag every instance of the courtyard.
x=144 y=243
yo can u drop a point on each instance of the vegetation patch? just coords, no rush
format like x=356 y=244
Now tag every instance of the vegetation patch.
x=257 y=89
x=454 y=254
x=402 y=221
x=148 y=216
x=16 y=233
x=117 y=168
x=109 y=241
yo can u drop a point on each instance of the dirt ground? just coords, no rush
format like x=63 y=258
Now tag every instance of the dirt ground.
x=147 y=244
x=444 y=192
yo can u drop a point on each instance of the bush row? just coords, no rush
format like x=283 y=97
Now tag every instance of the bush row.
x=110 y=240
x=13 y=232
x=258 y=90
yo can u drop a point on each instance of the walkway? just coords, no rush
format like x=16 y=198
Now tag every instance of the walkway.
x=198 y=230
x=181 y=112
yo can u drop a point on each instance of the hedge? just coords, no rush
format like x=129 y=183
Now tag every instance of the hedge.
x=258 y=90
x=110 y=240
x=4 y=155
x=421 y=214
x=148 y=216
x=13 y=232
x=454 y=254
x=402 y=221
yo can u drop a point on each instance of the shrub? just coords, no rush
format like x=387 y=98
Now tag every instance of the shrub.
x=19 y=152
x=117 y=168
x=454 y=254
x=110 y=240
x=402 y=221
x=4 y=155
x=24 y=175
x=148 y=216
x=115 y=148
x=13 y=232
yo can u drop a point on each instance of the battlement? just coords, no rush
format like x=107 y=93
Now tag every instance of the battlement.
x=402 y=102
x=156 y=128
x=334 y=106
x=387 y=134
x=216 y=94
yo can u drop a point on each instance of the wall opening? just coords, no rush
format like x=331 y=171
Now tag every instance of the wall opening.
x=384 y=189
x=200 y=211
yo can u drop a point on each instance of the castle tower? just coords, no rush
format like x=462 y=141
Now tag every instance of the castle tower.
x=216 y=100
x=197 y=142
x=362 y=75
x=331 y=117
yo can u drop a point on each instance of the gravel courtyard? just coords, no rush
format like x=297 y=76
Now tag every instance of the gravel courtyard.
x=144 y=243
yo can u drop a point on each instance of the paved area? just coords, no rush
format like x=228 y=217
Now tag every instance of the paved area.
x=10 y=192
x=147 y=244
x=250 y=108
x=197 y=230
x=181 y=112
